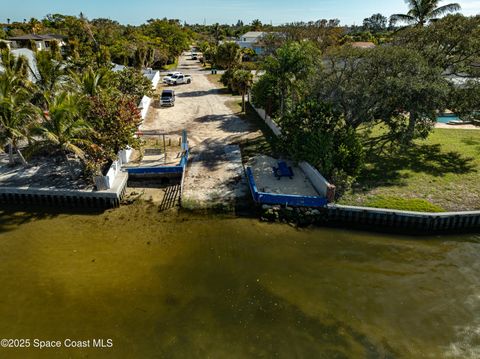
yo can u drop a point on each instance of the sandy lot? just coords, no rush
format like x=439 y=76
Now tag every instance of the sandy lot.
x=267 y=182
x=215 y=174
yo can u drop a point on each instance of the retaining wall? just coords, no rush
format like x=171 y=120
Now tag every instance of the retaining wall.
x=65 y=197
x=419 y=221
x=283 y=199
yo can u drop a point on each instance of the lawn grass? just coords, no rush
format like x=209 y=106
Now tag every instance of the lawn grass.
x=414 y=204
x=442 y=172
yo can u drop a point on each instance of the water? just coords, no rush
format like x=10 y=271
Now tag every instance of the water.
x=447 y=118
x=197 y=287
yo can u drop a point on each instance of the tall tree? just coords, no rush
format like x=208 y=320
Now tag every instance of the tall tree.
x=290 y=66
x=228 y=55
x=375 y=23
x=423 y=11
x=63 y=126
x=256 y=25
x=16 y=114
x=242 y=81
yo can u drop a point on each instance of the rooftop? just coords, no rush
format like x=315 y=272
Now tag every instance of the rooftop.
x=36 y=37
x=253 y=34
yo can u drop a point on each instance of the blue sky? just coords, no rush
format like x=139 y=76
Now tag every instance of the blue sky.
x=223 y=11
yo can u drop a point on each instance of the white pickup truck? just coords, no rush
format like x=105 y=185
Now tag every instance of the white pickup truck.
x=169 y=75
x=178 y=79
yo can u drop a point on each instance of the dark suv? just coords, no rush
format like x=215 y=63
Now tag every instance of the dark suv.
x=167 y=98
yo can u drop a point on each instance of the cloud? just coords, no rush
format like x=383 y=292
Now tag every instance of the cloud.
x=470 y=7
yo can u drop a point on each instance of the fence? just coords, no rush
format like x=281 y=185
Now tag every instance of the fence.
x=166 y=170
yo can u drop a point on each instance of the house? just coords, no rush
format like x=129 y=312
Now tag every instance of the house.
x=42 y=42
x=32 y=63
x=252 y=40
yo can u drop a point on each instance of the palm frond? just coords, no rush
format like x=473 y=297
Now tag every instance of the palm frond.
x=442 y=10
x=404 y=18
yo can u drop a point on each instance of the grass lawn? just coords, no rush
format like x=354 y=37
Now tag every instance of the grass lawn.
x=439 y=174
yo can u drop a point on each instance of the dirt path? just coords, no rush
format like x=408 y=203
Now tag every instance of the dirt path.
x=214 y=174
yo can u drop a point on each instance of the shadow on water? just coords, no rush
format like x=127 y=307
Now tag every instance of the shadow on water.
x=429 y=159
x=12 y=216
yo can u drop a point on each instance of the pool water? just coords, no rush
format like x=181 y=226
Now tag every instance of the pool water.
x=446 y=118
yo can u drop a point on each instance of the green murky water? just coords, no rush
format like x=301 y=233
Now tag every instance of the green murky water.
x=204 y=287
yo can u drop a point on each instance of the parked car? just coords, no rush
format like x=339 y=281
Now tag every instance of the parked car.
x=194 y=56
x=169 y=75
x=179 y=79
x=167 y=98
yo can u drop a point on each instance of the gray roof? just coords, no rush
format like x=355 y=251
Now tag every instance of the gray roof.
x=37 y=37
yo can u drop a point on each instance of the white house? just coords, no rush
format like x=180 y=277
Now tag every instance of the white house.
x=252 y=40
x=42 y=42
x=30 y=56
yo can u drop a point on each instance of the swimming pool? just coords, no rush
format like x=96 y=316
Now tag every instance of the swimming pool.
x=446 y=118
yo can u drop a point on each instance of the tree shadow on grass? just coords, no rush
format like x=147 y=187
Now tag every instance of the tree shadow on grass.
x=472 y=142
x=385 y=169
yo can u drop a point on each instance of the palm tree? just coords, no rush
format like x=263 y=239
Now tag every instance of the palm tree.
x=228 y=55
x=242 y=81
x=423 y=11
x=289 y=67
x=49 y=78
x=14 y=65
x=256 y=25
x=217 y=33
x=63 y=127
x=16 y=114
x=91 y=82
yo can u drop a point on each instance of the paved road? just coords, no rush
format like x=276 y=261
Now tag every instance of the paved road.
x=214 y=173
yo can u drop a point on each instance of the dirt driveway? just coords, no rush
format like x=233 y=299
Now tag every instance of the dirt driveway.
x=215 y=175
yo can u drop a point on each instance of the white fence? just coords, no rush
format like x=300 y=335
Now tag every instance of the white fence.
x=106 y=182
x=270 y=123
x=144 y=106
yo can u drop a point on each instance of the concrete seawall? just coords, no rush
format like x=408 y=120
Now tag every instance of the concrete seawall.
x=403 y=219
x=66 y=197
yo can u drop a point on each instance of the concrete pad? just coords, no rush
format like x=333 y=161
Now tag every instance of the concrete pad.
x=267 y=182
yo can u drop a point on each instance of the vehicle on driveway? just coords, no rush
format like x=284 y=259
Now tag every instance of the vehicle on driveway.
x=169 y=75
x=179 y=79
x=167 y=98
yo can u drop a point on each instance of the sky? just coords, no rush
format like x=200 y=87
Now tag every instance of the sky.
x=276 y=12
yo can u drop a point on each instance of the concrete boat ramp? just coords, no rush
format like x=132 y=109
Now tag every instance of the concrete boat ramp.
x=214 y=178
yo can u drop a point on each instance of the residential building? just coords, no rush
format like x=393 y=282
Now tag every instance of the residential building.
x=42 y=42
x=252 y=40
